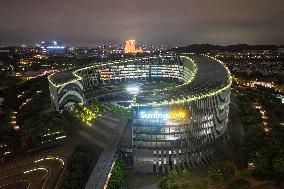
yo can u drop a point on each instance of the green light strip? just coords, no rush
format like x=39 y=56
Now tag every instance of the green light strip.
x=192 y=97
x=71 y=81
x=94 y=66
x=177 y=101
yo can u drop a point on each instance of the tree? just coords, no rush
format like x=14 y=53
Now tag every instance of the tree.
x=117 y=175
x=262 y=169
x=163 y=183
x=77 y=168
x=253 y=140
x=239 y=184
x=278 y=167
x=221 y=172
x=172 y=179
x=43 y=129
x=96 y=105
x=180 y=180
x=83 y=113
x=264 y=150
x=185 y=173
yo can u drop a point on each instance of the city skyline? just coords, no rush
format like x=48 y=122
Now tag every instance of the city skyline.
x=89 y=23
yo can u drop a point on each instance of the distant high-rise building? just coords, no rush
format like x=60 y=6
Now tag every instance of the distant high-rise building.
x=130 y=47
x=54 y=47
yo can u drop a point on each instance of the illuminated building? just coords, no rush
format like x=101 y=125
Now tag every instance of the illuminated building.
x=176 y=126
x=54 y=47
x=130 y=47
x=21 y=50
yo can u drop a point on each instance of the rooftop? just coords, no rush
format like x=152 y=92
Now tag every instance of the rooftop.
x=211 y=75
x=62 y=77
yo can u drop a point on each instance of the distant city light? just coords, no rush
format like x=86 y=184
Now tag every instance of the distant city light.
x=55 y=47
x=52 y=47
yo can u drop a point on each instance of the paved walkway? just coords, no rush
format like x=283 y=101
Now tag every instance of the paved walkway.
x=103 y=166
x=91 y=138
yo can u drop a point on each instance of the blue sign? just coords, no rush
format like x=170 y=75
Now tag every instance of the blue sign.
x=162 y=114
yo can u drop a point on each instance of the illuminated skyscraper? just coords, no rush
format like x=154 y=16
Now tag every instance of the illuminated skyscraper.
x=54 y=47
x=130 y=47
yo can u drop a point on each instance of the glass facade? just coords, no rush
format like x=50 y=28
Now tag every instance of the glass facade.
x=180 y=142
x=177 y=125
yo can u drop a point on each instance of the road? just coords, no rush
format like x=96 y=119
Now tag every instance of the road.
x=37 y=171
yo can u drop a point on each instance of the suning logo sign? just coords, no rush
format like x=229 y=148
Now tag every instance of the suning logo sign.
x=172 y=115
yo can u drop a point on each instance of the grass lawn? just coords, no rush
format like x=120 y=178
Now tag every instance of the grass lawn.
x=137 y=180
x=125 y=112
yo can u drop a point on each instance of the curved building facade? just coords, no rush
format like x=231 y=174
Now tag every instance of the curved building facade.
x=177 y=126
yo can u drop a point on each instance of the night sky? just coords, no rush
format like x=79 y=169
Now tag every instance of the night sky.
x=173 y=22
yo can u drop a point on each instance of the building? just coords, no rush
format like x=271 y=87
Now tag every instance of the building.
x=171 y=127
x=130 y=47
x=54 y=47
x=20 y=50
